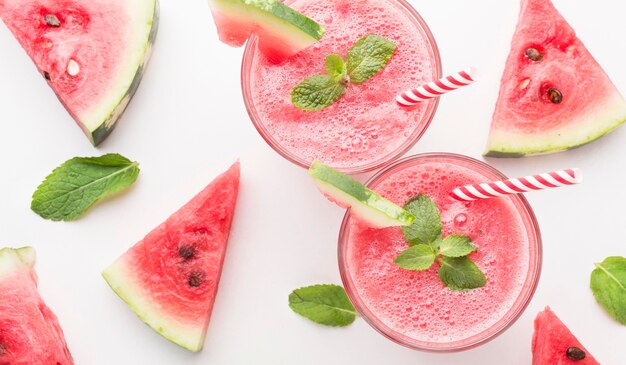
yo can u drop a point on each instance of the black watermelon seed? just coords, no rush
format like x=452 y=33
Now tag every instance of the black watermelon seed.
x=187 y=251
x=575 y=353
x=46 y=75
x=195 y=279
x=555 y=95
x=533 y=54
x=52 y=20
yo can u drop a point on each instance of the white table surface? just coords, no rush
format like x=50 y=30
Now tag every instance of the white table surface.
x=187 y=123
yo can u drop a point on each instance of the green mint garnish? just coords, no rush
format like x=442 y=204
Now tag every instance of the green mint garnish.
x=80 y=182
x=426 y=228
x=456 y=271
x=608 y=283
x=324 y=304
x=366 y=58
x=369 y=56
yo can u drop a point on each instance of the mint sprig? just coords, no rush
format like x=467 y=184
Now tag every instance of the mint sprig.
x=324 y=304
x=80 y=182
x=608 y=283
x=366 y=58
x=456 y=271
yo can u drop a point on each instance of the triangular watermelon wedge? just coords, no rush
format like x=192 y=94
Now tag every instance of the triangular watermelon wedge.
x=170 y=278
x=553 y=95
x=91 y=52
x=554 y=344
x=29 y=331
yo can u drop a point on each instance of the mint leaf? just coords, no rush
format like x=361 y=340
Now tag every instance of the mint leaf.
x=426 y=228
x=80 y=182
x=608 y=283
x=316 y=92
x=460 y=273
x=336 y=68
x=368 y=56
x=324 y=304
x=456 y=246
x=420 y=257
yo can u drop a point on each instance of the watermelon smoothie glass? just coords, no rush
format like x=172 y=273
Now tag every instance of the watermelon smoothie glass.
x=413 y=308
x=365 y=129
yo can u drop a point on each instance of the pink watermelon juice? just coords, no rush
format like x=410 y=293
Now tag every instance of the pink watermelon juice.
x=366 y=128
x=413 y=308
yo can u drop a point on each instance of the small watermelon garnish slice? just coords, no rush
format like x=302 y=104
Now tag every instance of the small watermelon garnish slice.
x=554 y=344
x=368 y=206
x=553 y=95
x=29 y=331
x=282 y=31
x=91 y=52
x=170 y=278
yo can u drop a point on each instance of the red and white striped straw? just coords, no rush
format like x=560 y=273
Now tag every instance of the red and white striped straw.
x=548 y=180
x=437 y=88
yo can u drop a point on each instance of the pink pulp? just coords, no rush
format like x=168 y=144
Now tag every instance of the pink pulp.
x=366 y=128
x=413 y=307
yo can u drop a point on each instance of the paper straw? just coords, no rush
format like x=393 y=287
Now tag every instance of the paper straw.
x=437 y=88
x=548 y=180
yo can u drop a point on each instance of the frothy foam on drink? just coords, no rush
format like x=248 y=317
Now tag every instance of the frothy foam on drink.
x=415 y=303
x=366 y=125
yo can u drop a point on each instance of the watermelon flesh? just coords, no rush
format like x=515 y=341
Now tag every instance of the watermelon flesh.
x=282 y=31
x=170 y=278
x=91 y=52
x=551 y=342
x=29 y=332
x=527 y=120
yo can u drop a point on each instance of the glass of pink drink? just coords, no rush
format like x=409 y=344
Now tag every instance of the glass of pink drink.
x=413 y=308
x=365 y=129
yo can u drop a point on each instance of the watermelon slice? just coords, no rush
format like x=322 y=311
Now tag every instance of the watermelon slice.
x=91 y=52
x=29 y=332
x=282 y=31
x=170 y=277
x=554 y=344
x=554 y=95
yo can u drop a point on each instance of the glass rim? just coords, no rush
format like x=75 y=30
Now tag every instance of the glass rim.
x=428 y=116
x=513 y=314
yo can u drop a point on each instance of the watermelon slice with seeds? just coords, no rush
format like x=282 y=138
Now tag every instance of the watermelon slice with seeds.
x=282 y=31
x=91 y=52
x=170 y=278
x=554 y=96
x=29 y=332
x=554 y=344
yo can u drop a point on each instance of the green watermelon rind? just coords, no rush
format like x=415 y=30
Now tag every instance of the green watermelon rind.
x=16 y=258
x=102 y=122
x=603 y=120
x=118 y=278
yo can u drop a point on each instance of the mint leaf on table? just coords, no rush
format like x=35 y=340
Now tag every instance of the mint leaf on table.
x=426 y=228
x=460 y=273
x=369 y=56
x=80 y=182
x=317 y=92
x=608 y=283
x=324 y=304
x=366 y=58
x=336 y=68
x=456 y=245
x=420 y=257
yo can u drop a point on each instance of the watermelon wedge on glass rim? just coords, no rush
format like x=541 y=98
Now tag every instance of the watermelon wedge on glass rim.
x=92 y=53
x=170 y=278
x=29 y=332
x=554 y=96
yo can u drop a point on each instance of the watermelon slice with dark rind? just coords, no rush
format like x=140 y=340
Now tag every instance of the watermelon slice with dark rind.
x=282 y=31
x=526 y=121
x=93 y=59
x=170 y=278
x=29 y=332
x=551 y=341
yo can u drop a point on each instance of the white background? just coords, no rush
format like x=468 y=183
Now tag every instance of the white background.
x=187 y=123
